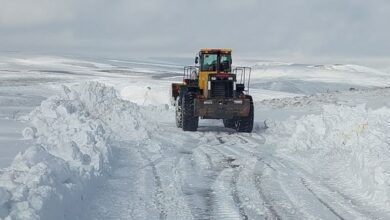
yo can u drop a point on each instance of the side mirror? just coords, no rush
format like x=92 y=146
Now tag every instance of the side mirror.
x=196 y=60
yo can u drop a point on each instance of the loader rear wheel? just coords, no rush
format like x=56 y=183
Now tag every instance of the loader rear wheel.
x=245 y=124
x=189 y=121
x=179 y=115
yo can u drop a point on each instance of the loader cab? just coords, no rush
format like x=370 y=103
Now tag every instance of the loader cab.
x=212 y=61
x=215 y=61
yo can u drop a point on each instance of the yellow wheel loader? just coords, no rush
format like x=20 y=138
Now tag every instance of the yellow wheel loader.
x=213 y=90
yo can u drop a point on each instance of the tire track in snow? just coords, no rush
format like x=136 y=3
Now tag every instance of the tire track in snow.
x=207 y=171
x=225 y=206
x=232 y=157
x=345 y=206
x=173 y=148
x=228 y=159
x=195 y=186
x=275 y=166
x=124 y=195
x=279 y=163
x=224 y=186
x=228 y=148
x=358 y=206
x=249 y=152
x=208 y=158
x=328 y=194
x=191 y=185
x=272 y=211
x=320 y=200
x=159 y=193
x=236 y=197
x=260 y=159
x=273 y=214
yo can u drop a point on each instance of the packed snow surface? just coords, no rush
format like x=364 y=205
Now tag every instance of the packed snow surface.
x=112 y=150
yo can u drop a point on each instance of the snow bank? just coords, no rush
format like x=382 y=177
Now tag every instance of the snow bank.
x=74 y=133
x=347 y=146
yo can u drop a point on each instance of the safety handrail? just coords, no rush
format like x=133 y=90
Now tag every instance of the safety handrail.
x=189 y=72
x=243 y=74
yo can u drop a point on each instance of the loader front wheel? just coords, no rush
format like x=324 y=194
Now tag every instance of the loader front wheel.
x=189 y=121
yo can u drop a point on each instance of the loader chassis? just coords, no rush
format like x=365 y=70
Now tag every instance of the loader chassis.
x=213 y=90
x=221 y=108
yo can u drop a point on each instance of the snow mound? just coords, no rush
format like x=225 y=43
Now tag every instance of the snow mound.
x=73 y=133
x=347 y=146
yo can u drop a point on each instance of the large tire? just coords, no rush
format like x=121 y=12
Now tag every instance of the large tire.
x=245 y=124
x=179 y=115
x=189 y=121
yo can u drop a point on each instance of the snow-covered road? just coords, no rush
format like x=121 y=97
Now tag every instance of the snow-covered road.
x=94 y=151
x=216 y=173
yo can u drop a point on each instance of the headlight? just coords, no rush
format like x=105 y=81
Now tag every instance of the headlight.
x=213 y=78
x=230 y=78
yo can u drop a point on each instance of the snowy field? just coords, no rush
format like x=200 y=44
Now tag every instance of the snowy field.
x=96 y=139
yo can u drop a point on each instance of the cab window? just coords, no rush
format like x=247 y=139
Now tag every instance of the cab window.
x=208 y=62
x=225 y=63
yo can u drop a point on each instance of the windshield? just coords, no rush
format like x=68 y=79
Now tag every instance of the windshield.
x=226 y=60
x=208 y=62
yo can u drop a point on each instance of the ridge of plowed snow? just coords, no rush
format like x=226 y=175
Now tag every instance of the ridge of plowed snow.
x=73 y=132
x=347 y=147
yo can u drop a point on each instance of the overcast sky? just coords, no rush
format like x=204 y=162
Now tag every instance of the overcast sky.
x=323 y=28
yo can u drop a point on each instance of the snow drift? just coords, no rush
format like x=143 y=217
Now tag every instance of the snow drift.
x=74 y=132
x=347 y=147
